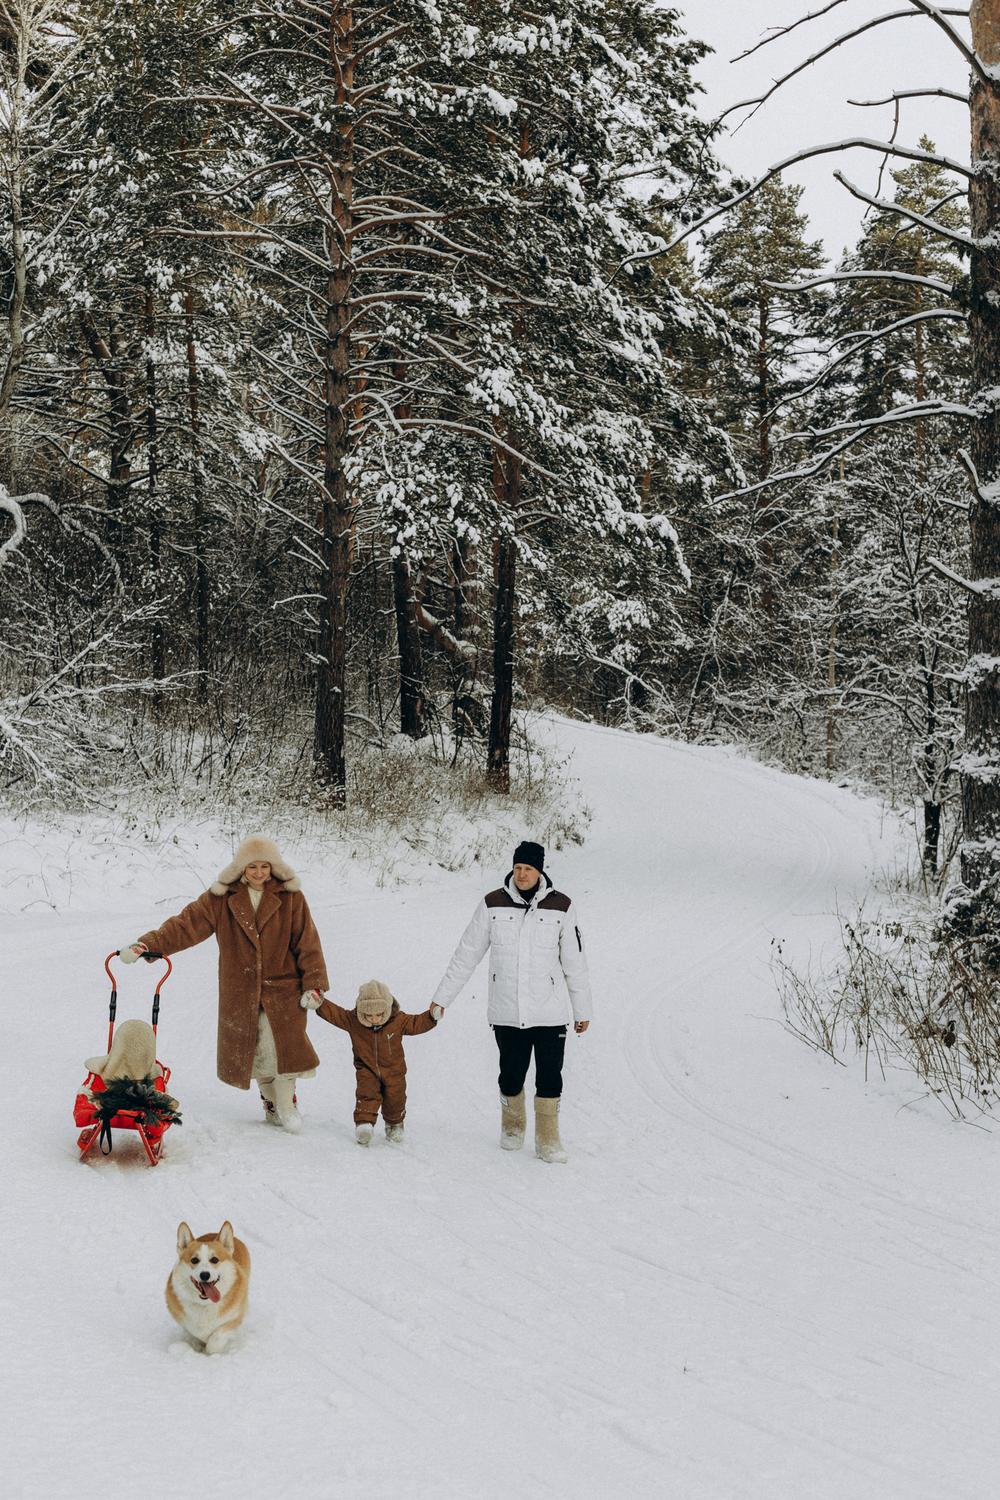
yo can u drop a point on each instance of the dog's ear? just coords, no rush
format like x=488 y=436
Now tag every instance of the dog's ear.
x=184 y=1238
x=226 y=1236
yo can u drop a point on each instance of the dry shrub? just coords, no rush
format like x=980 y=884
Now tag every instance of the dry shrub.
x=900 y=994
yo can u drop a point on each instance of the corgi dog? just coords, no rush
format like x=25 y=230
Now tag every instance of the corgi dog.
x=207 y=1289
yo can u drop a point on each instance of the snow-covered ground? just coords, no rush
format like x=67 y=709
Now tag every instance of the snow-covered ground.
x=756 y=1277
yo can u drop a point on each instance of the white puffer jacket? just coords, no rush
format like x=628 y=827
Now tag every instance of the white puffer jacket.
x=537 y=961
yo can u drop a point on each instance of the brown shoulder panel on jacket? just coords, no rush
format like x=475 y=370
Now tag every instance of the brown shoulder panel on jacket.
x=499 y=898
x=554 y=901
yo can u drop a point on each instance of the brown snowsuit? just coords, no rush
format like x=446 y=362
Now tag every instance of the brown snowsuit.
x=379 y=1062
x=265 y=960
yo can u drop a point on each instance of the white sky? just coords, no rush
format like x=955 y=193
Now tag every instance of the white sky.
x=812 y=108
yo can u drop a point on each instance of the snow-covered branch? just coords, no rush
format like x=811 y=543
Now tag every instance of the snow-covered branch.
x=915 y=411
x=887 y=206
x=862 y=340
x=898 y=94
x=982 y=588
x=833 y=276
x=11 y=507
x=849 y=143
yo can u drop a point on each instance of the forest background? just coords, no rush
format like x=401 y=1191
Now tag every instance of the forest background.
x=370 y=375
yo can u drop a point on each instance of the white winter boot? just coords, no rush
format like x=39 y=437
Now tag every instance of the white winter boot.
x=548 y=1146
x=512 y=1122
x=363 y=1134
x=285 y=1107
x=394 y=1133
x=266 y=1086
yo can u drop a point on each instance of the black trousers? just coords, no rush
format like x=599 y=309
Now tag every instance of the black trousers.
x=516 y=1045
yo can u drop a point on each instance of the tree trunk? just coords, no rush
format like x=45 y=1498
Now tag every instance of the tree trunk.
x=338 y=511
x=202 y=581
x=15 y=312
x=980 y=852
x=764 y=442
x=763 y=388
x=507 y=492
x=118 y=482
x=831 y=645
x=502 y=702
x=157 y=643
x=412 y=698
x=412 y=702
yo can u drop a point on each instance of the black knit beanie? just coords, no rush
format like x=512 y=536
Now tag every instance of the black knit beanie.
x=527 y=853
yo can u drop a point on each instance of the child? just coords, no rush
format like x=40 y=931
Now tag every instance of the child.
x=376 y=1027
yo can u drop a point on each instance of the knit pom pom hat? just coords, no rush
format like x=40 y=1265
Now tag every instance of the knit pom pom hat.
x=255 y=848
x=374 y=1003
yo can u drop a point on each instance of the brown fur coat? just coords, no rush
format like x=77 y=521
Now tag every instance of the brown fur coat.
x=265 y=960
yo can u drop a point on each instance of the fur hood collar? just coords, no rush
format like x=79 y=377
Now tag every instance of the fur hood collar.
x=254 y=848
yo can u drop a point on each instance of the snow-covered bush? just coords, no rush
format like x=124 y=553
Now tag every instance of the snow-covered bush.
x=901 y=996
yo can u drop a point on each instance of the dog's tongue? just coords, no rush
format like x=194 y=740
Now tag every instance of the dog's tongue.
x=210 y=1290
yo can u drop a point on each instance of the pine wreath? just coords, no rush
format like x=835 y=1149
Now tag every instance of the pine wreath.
x=141 y=1095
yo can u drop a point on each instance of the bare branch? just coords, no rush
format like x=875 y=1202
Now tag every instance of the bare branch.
x=850 y=143
x=848 y=36
x=938 y=15
x=775 y=33
x=887 y=206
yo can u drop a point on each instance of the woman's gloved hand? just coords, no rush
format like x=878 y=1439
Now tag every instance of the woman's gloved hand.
x=311 y=1000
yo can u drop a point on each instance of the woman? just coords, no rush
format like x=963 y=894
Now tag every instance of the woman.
x=537 y=963
x=270 y=965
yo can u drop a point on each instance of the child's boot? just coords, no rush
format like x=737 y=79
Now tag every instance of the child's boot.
x=363 y=1134
x=394 y=1132
x=512 y=1122
x=548 y=1146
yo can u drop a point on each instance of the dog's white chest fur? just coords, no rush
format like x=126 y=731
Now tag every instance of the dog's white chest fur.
x=201 y=1317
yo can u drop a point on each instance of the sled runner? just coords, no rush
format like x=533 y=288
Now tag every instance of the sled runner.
x=146 y=1119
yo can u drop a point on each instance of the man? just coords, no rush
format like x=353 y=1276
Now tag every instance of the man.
x=536 y=962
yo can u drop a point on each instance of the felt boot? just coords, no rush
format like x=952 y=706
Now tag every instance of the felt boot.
x=285 y=1105
x=266 y=1086
x=394 y=1133
x=363 y=1134
x=548 y=1146
x=512 y=1122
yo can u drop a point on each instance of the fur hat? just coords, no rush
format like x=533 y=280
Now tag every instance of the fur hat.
x=132 y=1055
x=254 y=848
x=374 y=999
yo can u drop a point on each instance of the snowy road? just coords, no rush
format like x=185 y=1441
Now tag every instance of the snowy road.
x=755 y=1278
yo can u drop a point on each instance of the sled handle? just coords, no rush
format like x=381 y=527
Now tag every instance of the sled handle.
x=113 y=1006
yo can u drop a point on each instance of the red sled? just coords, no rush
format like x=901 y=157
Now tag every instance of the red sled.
x=150 y=1132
